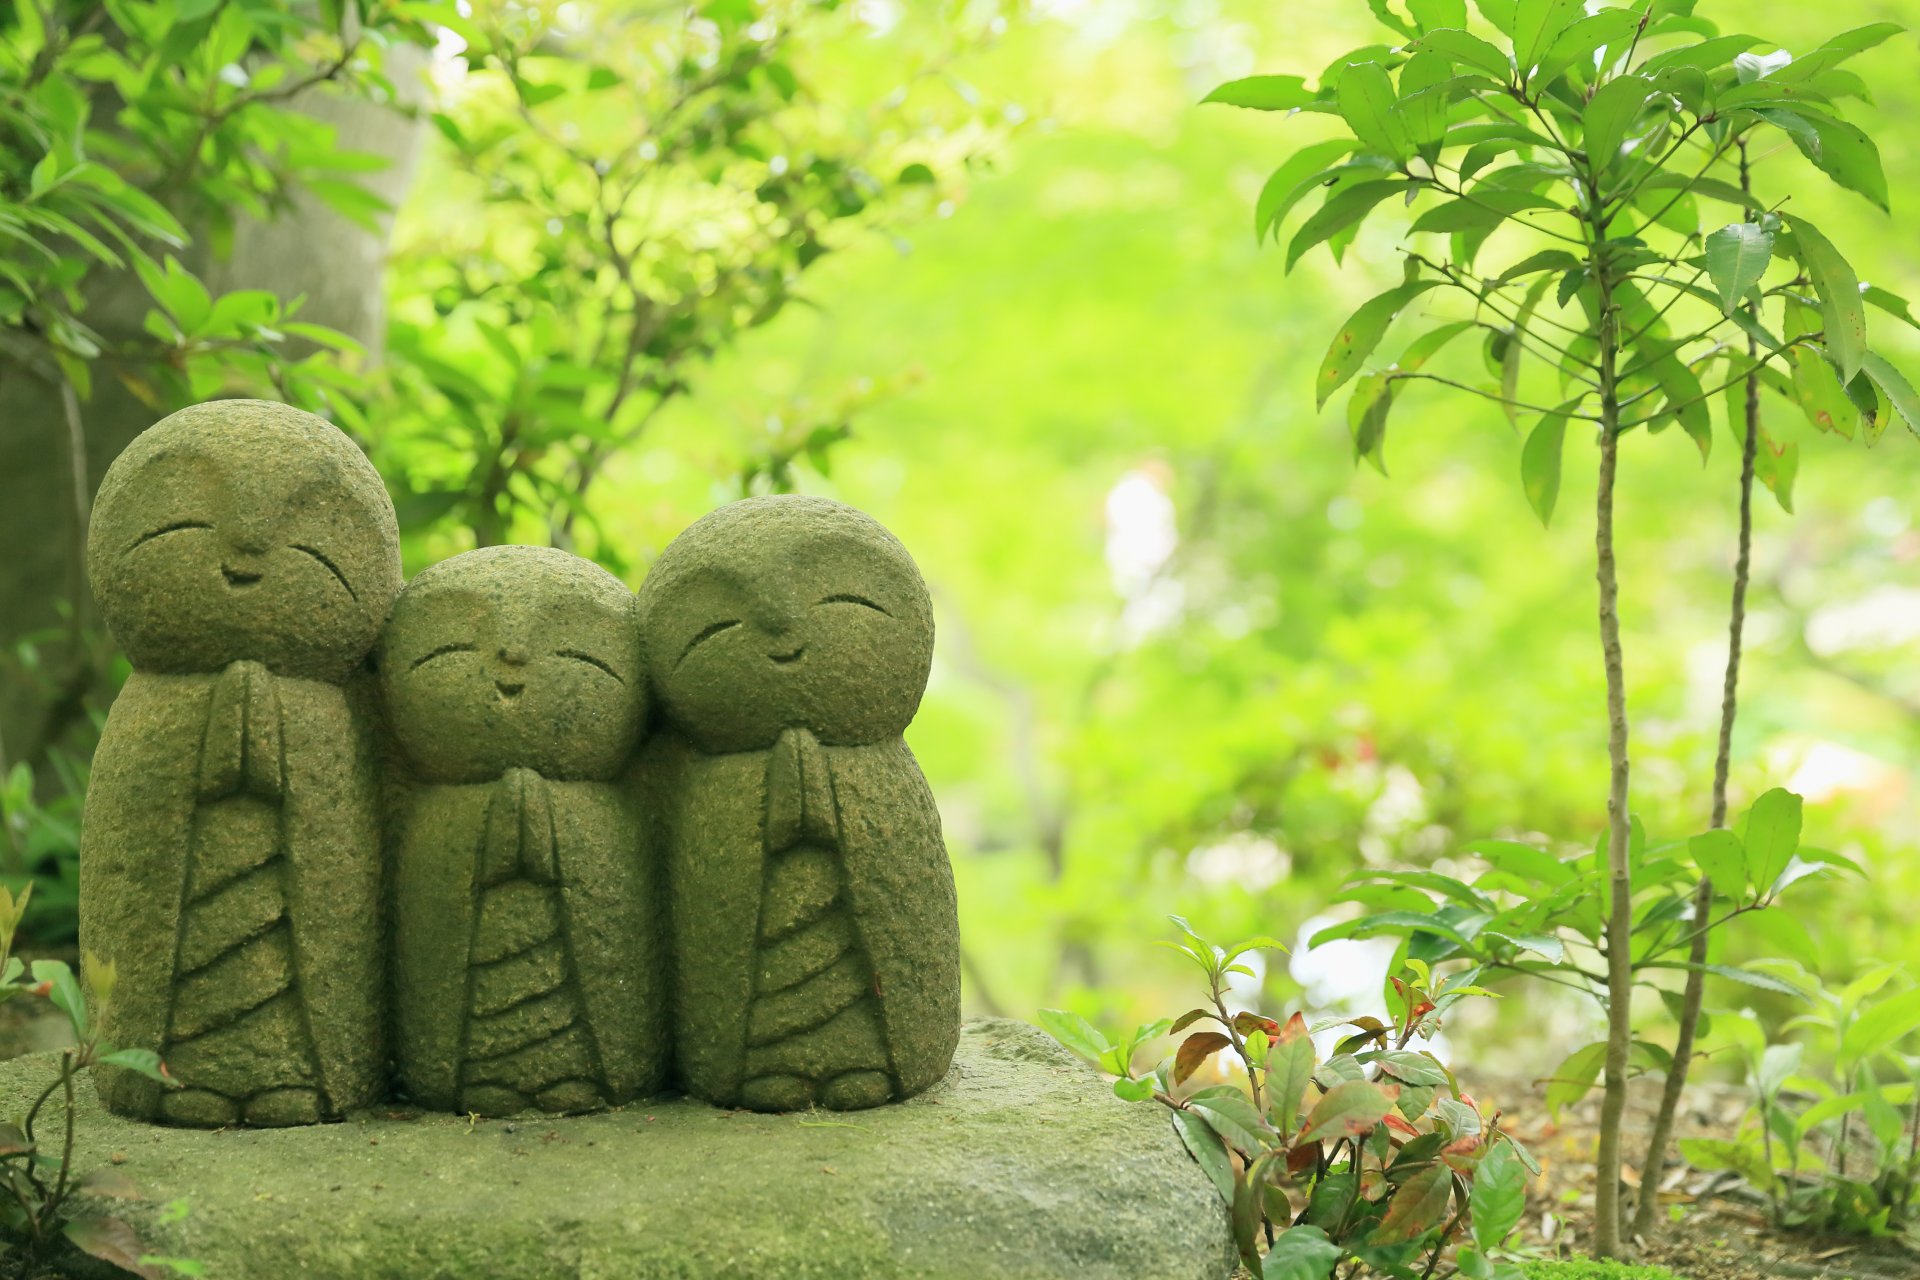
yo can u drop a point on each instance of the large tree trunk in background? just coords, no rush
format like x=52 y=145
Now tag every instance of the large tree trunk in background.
x=308 y=250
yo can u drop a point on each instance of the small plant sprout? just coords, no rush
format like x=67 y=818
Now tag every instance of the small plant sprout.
x=38 y=1210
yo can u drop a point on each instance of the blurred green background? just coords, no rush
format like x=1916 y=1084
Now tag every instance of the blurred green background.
x=1191 y=658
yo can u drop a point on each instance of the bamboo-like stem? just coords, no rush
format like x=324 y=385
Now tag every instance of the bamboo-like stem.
x=1619 y=924
x=1693 y=993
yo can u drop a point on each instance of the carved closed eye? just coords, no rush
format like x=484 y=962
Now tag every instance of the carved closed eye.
x=331 y=567
x=847 y=597
x=590 y=660
x=456 y=646
x=707 y=633
x=176 y=527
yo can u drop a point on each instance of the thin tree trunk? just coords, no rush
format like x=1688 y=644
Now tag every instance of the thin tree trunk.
x=1692 y=994
x=1619 y=925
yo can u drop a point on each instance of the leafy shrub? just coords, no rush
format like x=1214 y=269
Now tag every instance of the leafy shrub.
x=39 y=1217
x=1839 y=1150
x=1375 y=1155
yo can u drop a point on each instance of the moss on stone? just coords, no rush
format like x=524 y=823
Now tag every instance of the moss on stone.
x=1021 y=1163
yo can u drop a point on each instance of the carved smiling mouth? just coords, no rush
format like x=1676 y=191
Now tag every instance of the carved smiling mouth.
x=238 y=578
x=784 y=658
x=508 y=690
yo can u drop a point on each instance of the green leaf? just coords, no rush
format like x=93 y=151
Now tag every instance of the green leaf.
x=1359 y=336
x=143 y=1061
x=1537 y=24
x=1891 y=303
x=1290 y=1067
x=1303 y=170
x=1499 y=1197
x=1302 y=1253
x=1540 y=461
x=1348 y=1110
x=1881 y=1027
x=1718 y=1153
x=1750 y=978
x=1263 y=93
x=1231 y=1116
x=1208 y=1151
x=1544 y=260
x=1835 y=51
x=1423 y=115
x=1894 y=385
x=64 y=991
x=1838 y=149
x=1816 y=389
x=1574 y=1078
x=1484 y=207
x=1772 y=835
x=1366 y=99
x=1737 y=256
x=1367 y=411
x=1466 y=49
x=1343 y=209
x=1609 y=114
x=1722 y=859
x=1409 y=1067
x=1075 y=1032
x=1839 y=290
x=1579 y=42
x=1133 y=1090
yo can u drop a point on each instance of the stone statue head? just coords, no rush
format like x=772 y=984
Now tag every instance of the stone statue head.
x=786 y=611
x=242 y=529
x=514 y=657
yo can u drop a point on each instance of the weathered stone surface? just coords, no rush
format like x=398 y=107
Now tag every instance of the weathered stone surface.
x=528 y=968
x=244 y=555
x=1021 y=1163
x=815 y=937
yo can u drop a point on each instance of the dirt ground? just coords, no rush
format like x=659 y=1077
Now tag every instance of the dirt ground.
x=1717 y=1229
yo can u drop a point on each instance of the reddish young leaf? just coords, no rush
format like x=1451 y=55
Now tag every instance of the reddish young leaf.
x=1246 y=1023
x=1398 y=1125
x=1295 y=1028
x=111 y=1241
x=1194 y=1050
x=1349 y=1110
x=1303 y=1157
x=1418 y=1206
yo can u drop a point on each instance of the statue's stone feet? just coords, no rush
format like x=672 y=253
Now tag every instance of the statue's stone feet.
x=856 y=1091
x=776 y=1093
x=572 y=1097
x=199 y=1109
x=279 y=1108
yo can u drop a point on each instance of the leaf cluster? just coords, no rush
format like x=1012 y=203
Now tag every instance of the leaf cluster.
x=44 y=1206
x=1605 y=162
x=1373 y=1155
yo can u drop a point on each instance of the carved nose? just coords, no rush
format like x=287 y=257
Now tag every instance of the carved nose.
x=513 y=656
x=251 y=542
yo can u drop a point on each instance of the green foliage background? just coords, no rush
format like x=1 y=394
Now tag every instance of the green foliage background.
x=1333 y=668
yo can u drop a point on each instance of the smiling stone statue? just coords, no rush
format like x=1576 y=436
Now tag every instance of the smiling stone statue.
x=814 y=924
x=527 y=965
x=245 y=556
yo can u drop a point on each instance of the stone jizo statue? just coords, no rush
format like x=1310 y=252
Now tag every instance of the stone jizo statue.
x=328 y=816
x=814 y=923
x=244 y=555
x=528 y=968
